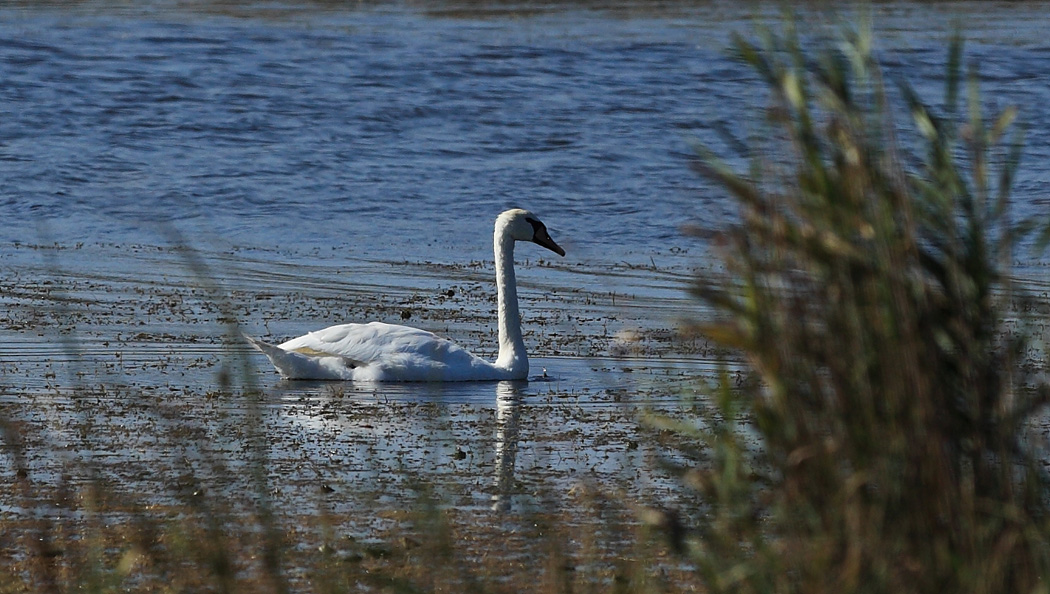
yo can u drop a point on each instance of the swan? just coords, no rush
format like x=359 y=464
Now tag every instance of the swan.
x=380 y=352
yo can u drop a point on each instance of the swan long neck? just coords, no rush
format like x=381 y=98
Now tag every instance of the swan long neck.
x=511 y=343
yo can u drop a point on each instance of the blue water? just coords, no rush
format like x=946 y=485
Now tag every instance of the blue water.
x=386 y=132
x=392 y=131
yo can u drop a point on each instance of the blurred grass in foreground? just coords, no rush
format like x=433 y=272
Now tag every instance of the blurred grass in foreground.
x=869 y=290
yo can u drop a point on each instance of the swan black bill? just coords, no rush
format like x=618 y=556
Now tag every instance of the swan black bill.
x=548 y=243
x=541 y=237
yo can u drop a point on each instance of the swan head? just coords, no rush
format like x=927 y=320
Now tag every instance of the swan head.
x=522 y=225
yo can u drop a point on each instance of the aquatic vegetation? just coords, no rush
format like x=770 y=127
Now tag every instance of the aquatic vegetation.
x=894 y=384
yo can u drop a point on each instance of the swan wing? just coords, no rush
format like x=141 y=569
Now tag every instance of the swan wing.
x=368 y=343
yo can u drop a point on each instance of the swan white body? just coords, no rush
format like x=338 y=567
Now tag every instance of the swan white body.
x=381 y=352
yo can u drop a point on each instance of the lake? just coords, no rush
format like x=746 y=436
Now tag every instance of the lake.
x=174 y=173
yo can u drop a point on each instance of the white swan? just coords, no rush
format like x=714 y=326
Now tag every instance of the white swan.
x=390 y=353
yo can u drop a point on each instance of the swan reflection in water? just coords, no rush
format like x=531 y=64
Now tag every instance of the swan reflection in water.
x=509 y=397
x=382 y=442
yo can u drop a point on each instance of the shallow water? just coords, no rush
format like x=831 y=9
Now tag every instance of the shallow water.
x=175 y=173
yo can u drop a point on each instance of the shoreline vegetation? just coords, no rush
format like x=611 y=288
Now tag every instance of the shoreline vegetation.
x=885 y=438
x=895 y=380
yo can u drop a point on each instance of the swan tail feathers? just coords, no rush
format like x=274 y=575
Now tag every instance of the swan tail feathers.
x=298 y=365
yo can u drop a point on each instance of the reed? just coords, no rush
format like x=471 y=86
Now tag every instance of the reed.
x=868 y=286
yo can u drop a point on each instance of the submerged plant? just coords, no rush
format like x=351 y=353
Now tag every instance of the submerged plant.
x=869 y=292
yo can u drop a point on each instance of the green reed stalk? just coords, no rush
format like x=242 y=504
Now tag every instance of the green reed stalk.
x=867 y=289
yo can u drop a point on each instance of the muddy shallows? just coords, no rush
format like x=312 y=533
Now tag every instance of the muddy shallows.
x=146 y=447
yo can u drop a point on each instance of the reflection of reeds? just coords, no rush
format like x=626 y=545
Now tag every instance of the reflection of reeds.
x=869 y=296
